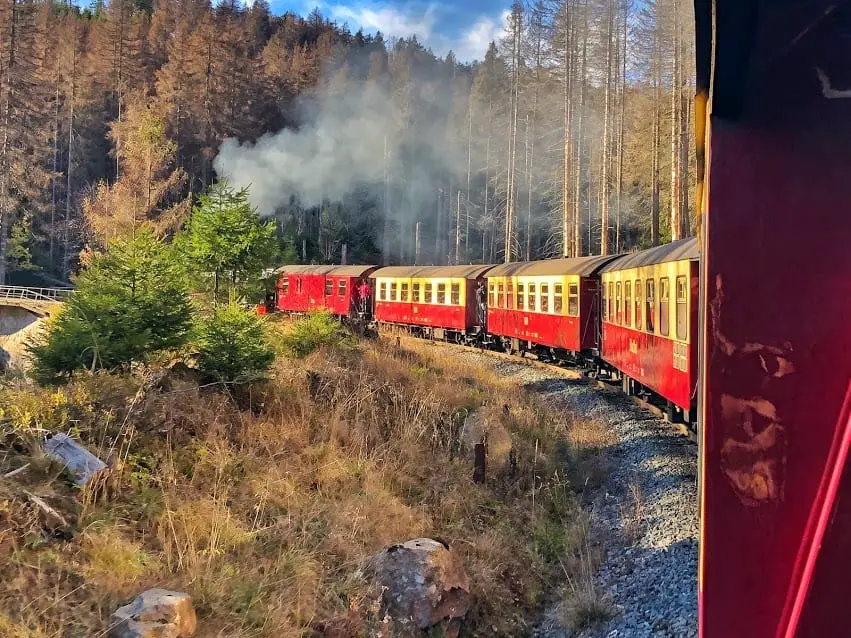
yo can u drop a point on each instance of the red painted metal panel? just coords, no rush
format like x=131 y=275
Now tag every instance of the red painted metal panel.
x=306 y=293
x=649 y=359
x=776 y=492
x=420 y=314
x=555 y=331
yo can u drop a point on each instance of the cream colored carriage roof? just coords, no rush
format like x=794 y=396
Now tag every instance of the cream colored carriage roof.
x=582 y=266
x=680 y=250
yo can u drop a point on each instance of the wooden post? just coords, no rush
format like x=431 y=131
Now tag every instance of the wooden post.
x=479 y=462
x=345 y=254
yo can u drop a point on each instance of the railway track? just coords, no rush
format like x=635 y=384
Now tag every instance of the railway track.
x=563 y=371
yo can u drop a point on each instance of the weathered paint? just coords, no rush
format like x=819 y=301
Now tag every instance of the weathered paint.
x=775 y=547
x=667 y=364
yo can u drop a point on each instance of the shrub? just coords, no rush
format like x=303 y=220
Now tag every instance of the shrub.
x=130 y=303
x=313 y=332
x=232 y=344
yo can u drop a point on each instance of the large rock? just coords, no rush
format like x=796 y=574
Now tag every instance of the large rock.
x=424 y=585
x=155 y=613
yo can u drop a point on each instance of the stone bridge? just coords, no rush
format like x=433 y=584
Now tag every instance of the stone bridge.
x=22 y=311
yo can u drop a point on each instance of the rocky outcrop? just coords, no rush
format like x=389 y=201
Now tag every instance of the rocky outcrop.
x=424 y=586
x=155 y=613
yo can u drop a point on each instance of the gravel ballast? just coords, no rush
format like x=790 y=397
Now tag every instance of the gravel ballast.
x=645 y=513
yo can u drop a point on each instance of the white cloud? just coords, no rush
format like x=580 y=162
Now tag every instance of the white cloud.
x=390 y=21
x=404 y=21
x=473 y=44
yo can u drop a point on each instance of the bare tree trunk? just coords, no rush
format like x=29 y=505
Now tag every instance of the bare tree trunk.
x=655 y=206
x=458 y=229
x=385 y=240
x=438 y=227
x=469 y=176
x=568 y=247
x=604 y=203
x=66 y=240
x=619 y=187
x=676 y=224
x=7 y=66
x=511 y=168
x=685 y=110
x=528 y=173
x=580 y=135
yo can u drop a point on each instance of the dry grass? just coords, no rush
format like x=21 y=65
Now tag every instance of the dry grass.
x=263 y=504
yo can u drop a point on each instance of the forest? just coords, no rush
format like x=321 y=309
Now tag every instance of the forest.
x=570 y=137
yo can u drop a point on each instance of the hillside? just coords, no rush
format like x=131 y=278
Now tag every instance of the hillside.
x=264 y=502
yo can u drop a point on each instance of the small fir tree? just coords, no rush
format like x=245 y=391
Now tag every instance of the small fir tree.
x=226 y=239
x=130 y=303
x=232 y=344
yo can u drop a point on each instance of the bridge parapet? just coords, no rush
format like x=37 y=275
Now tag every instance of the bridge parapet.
x=40 y=301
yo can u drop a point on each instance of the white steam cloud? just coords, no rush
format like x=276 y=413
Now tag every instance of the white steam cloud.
x=338 y=148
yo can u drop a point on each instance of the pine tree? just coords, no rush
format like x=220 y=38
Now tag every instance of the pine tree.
x=225 y=239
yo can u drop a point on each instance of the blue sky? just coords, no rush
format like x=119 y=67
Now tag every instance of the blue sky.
x=464 y=27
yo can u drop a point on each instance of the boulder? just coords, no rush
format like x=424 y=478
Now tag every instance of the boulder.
x=424 y=585
x=155 y=613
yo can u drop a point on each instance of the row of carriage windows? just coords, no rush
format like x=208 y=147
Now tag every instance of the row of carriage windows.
x=623 y=303
x=329 y=287
x=534 y=297
x=420 y=292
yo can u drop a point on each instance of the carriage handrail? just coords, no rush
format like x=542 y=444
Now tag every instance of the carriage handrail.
x=35 y=294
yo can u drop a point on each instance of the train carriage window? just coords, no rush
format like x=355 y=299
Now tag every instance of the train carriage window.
x=618 y=303
x=393 y=289
x=532 y=305
x=298 y=285
x=500 y=299
x=605 y=302
x=573 y=300
x=285 y=286
x=455 y=294
x=509 y=295
x=382 y=291
x=627 y=304
x=521 y=297
x=545 y=297
x=415 y=288
x=341 y=288
x=682 y=308
x=329 y=287
x=441 y=293
x=664 y=294
x=611 y=302
x=491 y=294
x=638 y=300
x=557 y=298
x=428 y=295
x=650 y=305
x=404 y=291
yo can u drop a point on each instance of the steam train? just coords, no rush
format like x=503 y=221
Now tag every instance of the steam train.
x=632 y=318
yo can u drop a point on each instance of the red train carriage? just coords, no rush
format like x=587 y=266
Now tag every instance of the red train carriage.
x=435 y=298
x=775 y=546
x=549 y=306
x=650 y=331
x=338 y=289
